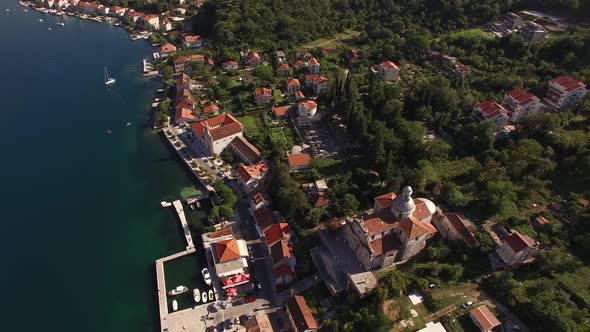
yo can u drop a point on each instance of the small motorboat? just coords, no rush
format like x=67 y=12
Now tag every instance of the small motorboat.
x=198 y=204
x=61 y=24
x=174 y=305
x=197 y=295
x=165 y=204
x=204 y=296
x=211 y=298
x=109 y=131
x=26 y=10
x=7 y=9
x=40 y=20
x=178 y=290
x=206 y=276
x=128 y=124
x=49 y=29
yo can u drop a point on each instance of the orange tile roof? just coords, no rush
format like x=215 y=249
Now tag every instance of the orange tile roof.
x=467 y=233
x=384 y=201
x=301 y=315
x=280 y=251
x=379 y=222
x=421 y=212
x=277 y=232
x=413 y=228
x=293 y=82
x=220 y=126
x=313 y=62
x=307 y=105
x=257 y=197
x=522 y=97
x=263 y=217
x=211 y=108
x=227 y=250
x=221 y=233
x=385 y=244
x=190 y=38
x=491 y=109
x=263 y=91
x=167 y=48
x=248 y=172
x=517 y=242
x=320 y=199
x=485 y=318
x=258 y=323
x=298 y=64
x=299 y=159
x=388 y=65
x=184 y=113
x=299 y=95
x=280 y=111
x=283 y=67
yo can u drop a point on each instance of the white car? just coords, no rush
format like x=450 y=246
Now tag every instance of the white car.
x=466 y=304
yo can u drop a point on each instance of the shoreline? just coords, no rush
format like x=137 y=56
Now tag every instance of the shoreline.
x=201 y=181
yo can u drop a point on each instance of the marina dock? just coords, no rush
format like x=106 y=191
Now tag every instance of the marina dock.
x=187 y=233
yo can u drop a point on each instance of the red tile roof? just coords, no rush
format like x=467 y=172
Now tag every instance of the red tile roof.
x=568 y=83
x=467 y=233
x=313 y=62
x=211 y=109
x=257 y=197
x=220 y=126
x=249 y=151
x=190 y=38
x=413 y=228
x=280 y=111
x=541 y=221
x=167 y=48
x=254 y=57
x=293 y=82
x=484 y=317
x=248 y=172
x=491 y=109
x=517 y=242
x=221 y=233
x=231 y=62
x=388 y=65
x=320 y=199
x=263 y=217
x=301 y=315
x=380 y=222
x=280 y=251
x=299 y=95
x=299 y=159
x=307 y=105
x=298 y=64
x=283 y=67
x=277 y=232
x=184 y=113
x=385 y=244
x=522 y=97
x=227 y=250
x=263 y=91
x=384 y=201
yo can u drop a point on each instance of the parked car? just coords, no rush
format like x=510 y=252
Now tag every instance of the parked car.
x=466 y=304
x=223 y=304
x=250 y=299
x=228 y=324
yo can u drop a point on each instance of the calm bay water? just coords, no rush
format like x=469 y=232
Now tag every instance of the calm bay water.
x=81 y=225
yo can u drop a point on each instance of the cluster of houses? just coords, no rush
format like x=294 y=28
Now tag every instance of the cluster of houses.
x=458 y=69
x=563 y=92
x=530 y=31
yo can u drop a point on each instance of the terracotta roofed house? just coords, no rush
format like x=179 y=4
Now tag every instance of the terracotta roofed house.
x=227 y=250
x=191 y=41
x=564 y=92
x=387 y=71
x=230 y=65
x=539 y=222
x=319 y=83
x=184 y=115
x=299 y=96
x=282 y=70
x=254 y=59
x=217 y=132
x=167 y=49
x=281 y=111
x=213 y=109
x=251 y=176
x=484 y=318
x=263 y=96
x=516 y=249
x=453 y=227
x=313 y=66
x=520 y=103
x=293 y=85
x=264 y=219
x=307 y=108
x=300 y=316
x=277 y=232
x=299 y=161
x=490 y=111
x=152 y=21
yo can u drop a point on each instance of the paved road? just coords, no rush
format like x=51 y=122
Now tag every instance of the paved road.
x=263 y=263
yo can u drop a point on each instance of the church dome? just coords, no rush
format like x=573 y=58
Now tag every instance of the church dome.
x=431 y=206
x=403 y=205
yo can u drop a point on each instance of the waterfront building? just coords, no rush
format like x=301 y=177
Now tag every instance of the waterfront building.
x=490 y=111
x=229 y=253
x=184 y=115
x=387 y=71
x=532 y=32
x=117 y=11
x=165 y=24
x=251 y=177
x=396 y=230
x=152 y=21
x=307 y=108
x=564 y=92
x=87 y=8
x=135 y=16
x=217 y=132
x=191 y=41
x=300 y=316
x=167 y=49
x=519 y=103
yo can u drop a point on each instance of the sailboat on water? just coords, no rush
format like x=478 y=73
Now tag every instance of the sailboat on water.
x=108 y=80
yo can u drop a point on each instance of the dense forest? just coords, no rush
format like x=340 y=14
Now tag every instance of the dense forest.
x=546 y=159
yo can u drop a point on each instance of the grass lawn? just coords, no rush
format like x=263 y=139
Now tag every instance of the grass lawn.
x=472 y=34
x=576 y=283
x=347 y=37
x=251 y=124
x=278 y=96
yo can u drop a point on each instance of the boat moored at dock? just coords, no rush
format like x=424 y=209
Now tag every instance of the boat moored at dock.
x=178 y=290
x=206 y=276
x=197 y=295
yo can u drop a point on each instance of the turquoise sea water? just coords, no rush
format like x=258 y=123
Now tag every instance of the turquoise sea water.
x=81 y=222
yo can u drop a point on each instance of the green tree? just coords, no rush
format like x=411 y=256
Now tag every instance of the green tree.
x=263 y=73
x=348 y=205
x=168 y=71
